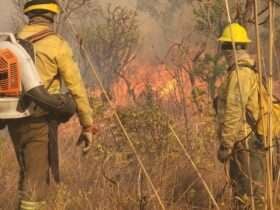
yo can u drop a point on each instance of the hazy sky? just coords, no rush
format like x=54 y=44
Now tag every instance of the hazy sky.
x=5 y=15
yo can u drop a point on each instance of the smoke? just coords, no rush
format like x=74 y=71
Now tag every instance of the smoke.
x=6 y=19
x=161 y=23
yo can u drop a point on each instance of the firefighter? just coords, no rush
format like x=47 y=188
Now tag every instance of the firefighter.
x=239 y=91
x=31 y=136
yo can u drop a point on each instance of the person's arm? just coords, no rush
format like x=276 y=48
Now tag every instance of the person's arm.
x=70 y=73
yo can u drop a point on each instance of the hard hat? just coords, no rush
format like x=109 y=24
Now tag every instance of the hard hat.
x=42 y=5
x=235 y=33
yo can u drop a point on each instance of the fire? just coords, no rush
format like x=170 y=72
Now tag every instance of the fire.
x=158 y=77
x=162 y=80
x=164 y=84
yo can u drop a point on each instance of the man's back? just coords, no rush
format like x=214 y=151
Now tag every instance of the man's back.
x=54 y=62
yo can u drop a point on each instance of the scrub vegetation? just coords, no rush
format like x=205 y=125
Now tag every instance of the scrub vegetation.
x=172 y=81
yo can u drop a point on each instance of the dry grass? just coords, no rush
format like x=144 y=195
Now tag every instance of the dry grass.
x=109 y=178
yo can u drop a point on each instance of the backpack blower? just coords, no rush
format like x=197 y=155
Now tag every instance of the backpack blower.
x=21 y=85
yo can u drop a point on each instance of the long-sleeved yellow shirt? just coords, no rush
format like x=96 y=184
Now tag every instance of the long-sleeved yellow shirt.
x=54 y=57
x=234 y=96
x=240 y=102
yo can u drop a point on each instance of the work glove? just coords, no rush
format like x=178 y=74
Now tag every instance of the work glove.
x=224 y=153
x=86 y=138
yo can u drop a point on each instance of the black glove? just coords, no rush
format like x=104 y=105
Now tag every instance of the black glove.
x=224 y=153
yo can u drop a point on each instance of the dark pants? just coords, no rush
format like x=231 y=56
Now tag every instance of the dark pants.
x=240 y=175
x=31 y=143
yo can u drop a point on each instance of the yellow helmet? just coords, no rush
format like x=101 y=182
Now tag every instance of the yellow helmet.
x=235 y=33
x=42 y=5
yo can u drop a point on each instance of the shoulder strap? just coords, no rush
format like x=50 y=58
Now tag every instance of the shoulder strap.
x=40 y=35
x=27 y=43
x=37 y=37
x=52 y=81
x=252 y=67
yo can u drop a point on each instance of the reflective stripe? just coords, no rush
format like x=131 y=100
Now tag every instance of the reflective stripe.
x=50 y=7
x=28 y=208
x=28 y=205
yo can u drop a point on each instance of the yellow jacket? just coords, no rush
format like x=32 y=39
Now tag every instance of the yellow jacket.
x=233 y=126
x=54 y=57
x=240 y=102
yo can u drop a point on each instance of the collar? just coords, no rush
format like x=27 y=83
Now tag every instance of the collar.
x=38 y=20
x=243 y=59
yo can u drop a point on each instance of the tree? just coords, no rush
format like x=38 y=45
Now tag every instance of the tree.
x=113 y=43
x=69 y=8
x=211 y=16
x=179 y=61
x=210 y=69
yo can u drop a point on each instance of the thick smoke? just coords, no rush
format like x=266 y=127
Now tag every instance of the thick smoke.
x=6 y=19
x=161 y=22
